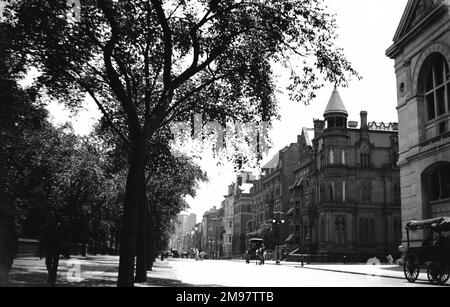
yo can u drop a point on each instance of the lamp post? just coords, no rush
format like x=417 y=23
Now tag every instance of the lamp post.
x=308 y=248
x=211 y=248
x=277 y=221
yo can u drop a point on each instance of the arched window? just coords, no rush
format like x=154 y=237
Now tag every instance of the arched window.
x=436 y=181
x=435 y=85
x=343 y=157
x=331 y=156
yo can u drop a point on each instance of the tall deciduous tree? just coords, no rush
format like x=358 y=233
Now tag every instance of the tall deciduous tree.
x=156 y=61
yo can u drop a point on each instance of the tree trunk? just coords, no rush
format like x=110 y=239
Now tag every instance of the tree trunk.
x=142 y=239
x=150 y=252
x=130 y=214
x=150 y=234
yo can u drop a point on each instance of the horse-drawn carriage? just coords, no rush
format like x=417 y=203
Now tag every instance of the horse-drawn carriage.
x=434 y=253
x=256 y=245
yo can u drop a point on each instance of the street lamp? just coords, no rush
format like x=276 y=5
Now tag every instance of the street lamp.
x=277 y=221
x=211 y=248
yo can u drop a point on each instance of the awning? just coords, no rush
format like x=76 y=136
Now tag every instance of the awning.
x=438 y=224
x=290 y=239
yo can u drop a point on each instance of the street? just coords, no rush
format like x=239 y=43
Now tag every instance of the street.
x=101 y=271
x=239 y=274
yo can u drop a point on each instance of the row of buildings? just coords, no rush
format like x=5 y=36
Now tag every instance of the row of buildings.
x=348 y=188
x=333 y=193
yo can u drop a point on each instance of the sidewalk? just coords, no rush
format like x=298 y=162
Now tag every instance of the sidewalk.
x=387 y=271
x=91 y=271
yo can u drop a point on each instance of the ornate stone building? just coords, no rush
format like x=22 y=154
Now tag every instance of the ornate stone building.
x=421 y=51
x=346 y=192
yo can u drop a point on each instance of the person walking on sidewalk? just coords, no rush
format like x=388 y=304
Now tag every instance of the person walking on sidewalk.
x=52 y=244
x=8 y=243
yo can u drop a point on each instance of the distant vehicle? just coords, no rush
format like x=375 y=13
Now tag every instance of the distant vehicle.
x=175 y=254
x=254 y=244
x=185 y=255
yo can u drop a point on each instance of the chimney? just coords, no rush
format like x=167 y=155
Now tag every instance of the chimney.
x=318 y=128
x=363 y=120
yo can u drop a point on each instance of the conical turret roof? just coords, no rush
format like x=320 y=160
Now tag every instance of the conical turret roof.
x=335 y=105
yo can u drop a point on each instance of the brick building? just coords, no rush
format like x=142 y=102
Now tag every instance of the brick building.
x=270 y=195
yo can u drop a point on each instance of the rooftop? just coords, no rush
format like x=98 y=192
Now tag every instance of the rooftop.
x=335 y=105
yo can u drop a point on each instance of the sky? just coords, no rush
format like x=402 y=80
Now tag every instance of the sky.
x=365 y=30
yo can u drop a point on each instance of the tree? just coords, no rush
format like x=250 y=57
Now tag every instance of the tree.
x=149 y=63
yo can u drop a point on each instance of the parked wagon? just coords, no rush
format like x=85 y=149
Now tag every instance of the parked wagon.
x=434 y=253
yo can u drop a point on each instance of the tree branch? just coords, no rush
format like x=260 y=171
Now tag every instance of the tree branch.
x=116 y=85
x=105 y=113
x=167 y=37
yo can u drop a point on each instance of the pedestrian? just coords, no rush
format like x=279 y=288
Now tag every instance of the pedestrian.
x=52 y=243
x=390 y=259
x=8 y=243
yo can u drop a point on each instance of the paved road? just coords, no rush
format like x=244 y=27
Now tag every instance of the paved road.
x=239 y=274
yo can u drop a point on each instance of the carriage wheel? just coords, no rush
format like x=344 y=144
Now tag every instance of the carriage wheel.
x=411 y=267
x=445 y=275
x=434 y=273
x=444 y=278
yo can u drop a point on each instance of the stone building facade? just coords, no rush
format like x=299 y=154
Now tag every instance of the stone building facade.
x=347 y=187
x=421 y=51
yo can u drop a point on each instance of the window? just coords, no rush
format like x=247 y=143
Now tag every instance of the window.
x=331 y=156
x=332 y=192
x=365 y=191
x=365 y=160
x=323 y=230
x=322 y=192
x=340 y=229
x=331 y=122
x=436 y=83
x=437 y=181
x=343 y=157
x=343 y=191
x=396 y=192
x=367 y=230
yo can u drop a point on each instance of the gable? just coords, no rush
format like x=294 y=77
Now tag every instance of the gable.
x=416 y=11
